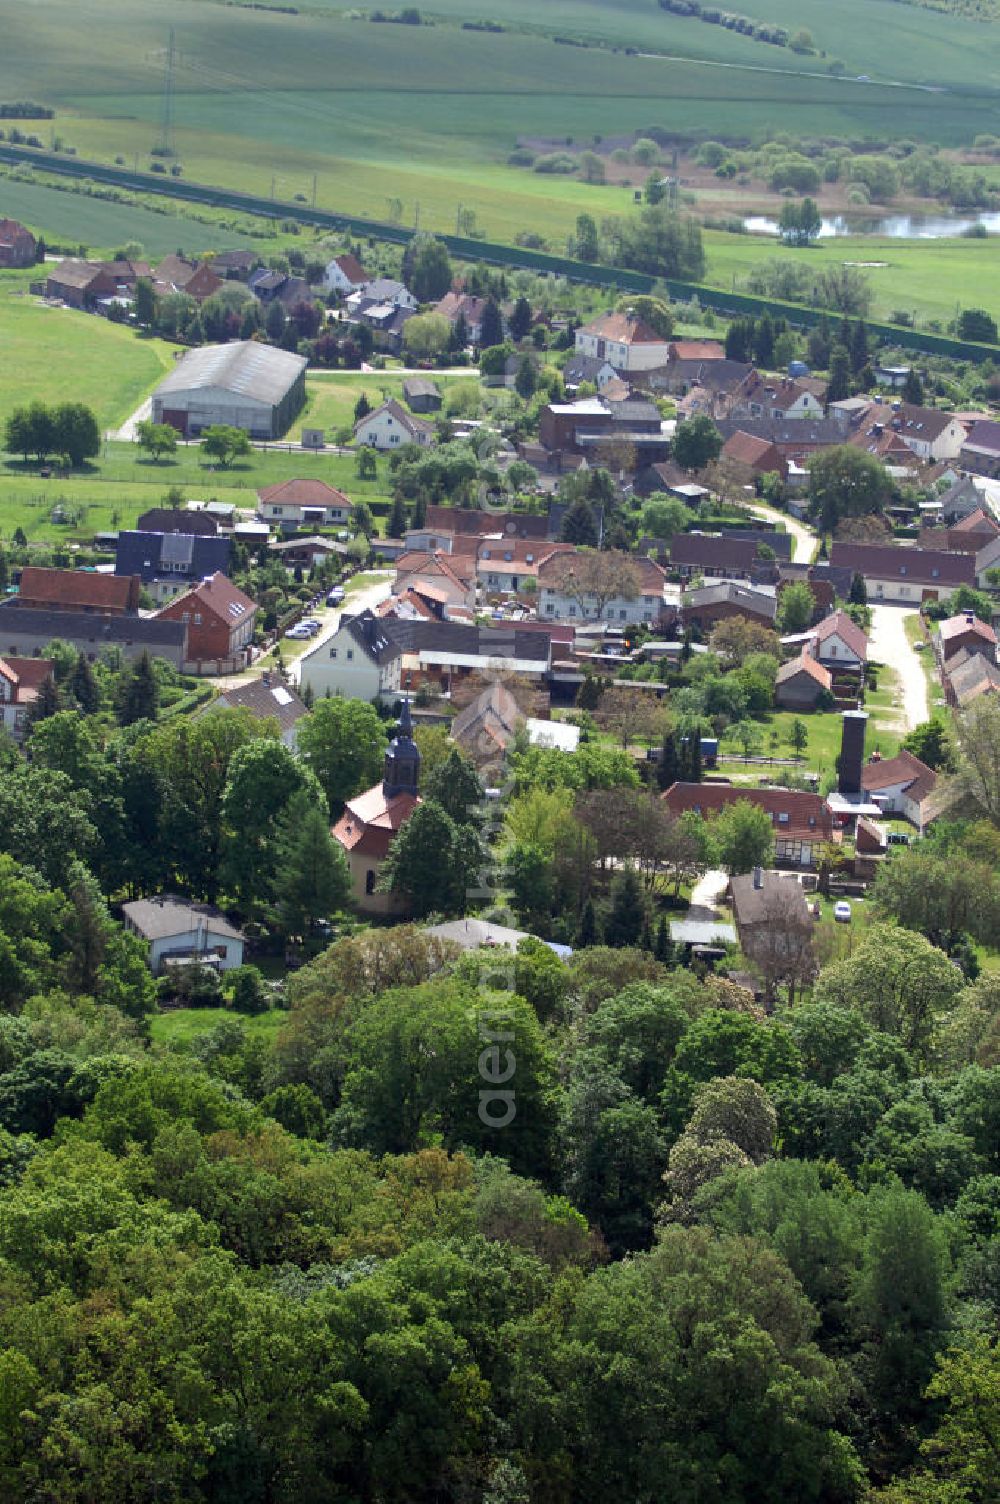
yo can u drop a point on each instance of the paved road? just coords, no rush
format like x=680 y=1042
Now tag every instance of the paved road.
x=126 y=434
x=705 y=895
x=805 y=539
x=888 y=643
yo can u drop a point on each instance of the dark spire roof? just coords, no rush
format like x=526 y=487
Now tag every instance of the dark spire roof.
x=401 y=774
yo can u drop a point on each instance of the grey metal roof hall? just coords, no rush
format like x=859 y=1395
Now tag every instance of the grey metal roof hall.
x=245 y=367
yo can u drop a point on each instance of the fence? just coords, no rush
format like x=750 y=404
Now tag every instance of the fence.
x=613 y=278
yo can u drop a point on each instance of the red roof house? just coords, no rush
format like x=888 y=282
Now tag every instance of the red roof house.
x=219 y=619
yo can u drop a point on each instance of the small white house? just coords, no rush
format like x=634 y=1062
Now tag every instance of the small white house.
x=390 y=427
x=383 y=290
x=179 y=932
x=360 y=662
x=344 y=275
x=627 y=343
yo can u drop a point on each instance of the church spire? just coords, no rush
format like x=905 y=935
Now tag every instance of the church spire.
x=402 y=759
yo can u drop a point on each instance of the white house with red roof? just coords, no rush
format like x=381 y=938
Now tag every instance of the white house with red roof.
x=344 y=274
x=901 y=785
x=305 y=501
x=372 y=819
x=838 y=642
x=20 y=681
x=626 y=342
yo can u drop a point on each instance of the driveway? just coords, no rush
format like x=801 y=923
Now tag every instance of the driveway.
x=127 y=433
x=359 y=600
x=804 y=546
x=888 y=643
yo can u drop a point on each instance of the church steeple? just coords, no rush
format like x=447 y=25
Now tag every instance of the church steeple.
x=402 y=759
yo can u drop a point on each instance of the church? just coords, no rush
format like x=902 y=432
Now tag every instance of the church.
x=371 y=819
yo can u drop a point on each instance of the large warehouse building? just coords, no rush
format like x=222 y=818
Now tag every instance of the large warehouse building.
x=245 y=384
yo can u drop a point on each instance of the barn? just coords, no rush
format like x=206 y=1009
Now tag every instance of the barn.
x=245 y=384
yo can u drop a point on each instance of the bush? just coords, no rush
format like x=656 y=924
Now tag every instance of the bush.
x=247 y=989
x=556 y=162
x=191 y=986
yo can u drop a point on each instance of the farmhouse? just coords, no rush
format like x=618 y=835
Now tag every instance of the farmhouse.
x=303 y=503
x=712 y=555
x=750 y=456
x=20 y=681
x=965 y=633
x=770 y=909
x=840 y=642
x=801 y=821
x=219 y=620
x=18 y=246
x=179 y=932
x=705 y=607
x=783 y=399
x=968 y=675
x=487 y=725
x=169 y=562
x=390 y=426
x=627 y=343
x=371 y=820
x=452 y=575
x=906 y=575
x=245 y=384
x=560 y=598
x=27 y=632
x=196 y=279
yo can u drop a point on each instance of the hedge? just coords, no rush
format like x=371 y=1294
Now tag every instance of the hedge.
x=617 y=278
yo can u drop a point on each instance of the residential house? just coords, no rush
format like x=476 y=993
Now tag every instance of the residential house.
x=839 y=642
x=180 y=932
x=712 y=555
x=510 y=564
x=827 y=584
x=901 y=785
x=627 y=343
x=372 y=820
x=306 y=553
x=932 y=435
x=307 y=503
x=268 y=698
x=769 y=908
x=454 y=574
x=980 y=451
x=705 y=607
x=486 y=727
x=18 y=246
x=695 y=349
x=750 y=457
x=560 y=598
x=20 y=681
x=987 y=560
x=796 y=439
x=197 y=279
x=967 y=675
x=169 y=562
x=79 y=590
x=458 y=305
x=965 y=633
x=368 y=655
x=270 y=287
x=235 y=265
x=92 y=285
x=391 y=426
x=177 y=520
x=382 y=290
x=243 y=384
x=459 y=522
x=715 y=388
x=27 y=632
x=581 y=368
x=421 y=395
x=802 y=683
x=782 y=398
x=904 y=575
x=220 y=621
x=344 y=275
x=966 y=536
x=802 y=822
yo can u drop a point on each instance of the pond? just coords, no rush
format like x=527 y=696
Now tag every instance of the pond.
x=893 y=226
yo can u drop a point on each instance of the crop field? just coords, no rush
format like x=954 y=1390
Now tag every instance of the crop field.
x=59 y=355
x=427 y=114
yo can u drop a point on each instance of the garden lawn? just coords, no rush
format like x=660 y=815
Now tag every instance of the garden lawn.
x=181 y=1025
x=61 y=355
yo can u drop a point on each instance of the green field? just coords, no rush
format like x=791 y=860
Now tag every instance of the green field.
x=428 y=114
x=923 y=277
x=181 y=1025
x=59 y=355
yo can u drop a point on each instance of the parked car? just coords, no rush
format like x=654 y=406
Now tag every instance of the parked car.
x=918 y=647
x=299 y=632
x=898 y=838
x=311 y=625
x=335 y=596
x=842 y=912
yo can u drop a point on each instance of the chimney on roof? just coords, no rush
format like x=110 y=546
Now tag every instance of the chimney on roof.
x=970 y=618
x=852 y=751
x=758 y=877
